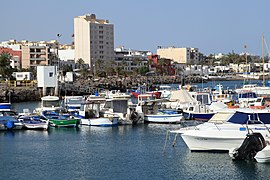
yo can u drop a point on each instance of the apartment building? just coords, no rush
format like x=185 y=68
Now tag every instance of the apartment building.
x=179 y=55
x=93 y=39
x=34 y=55
x=131 y=59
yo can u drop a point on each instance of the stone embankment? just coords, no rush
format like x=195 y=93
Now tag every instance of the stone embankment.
x=19 y=94
x=83 y=87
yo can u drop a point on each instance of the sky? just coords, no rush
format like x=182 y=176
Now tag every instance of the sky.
x=213 y=26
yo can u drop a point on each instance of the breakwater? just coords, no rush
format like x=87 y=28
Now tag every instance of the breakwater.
x=84 y=87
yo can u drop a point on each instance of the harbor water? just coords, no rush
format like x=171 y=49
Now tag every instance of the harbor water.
x=123 y=152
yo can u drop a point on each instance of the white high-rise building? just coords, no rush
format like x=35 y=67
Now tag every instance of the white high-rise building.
x=93 y=39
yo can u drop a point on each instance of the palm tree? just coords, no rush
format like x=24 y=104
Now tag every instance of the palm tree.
x=109 y=67
x=161 y=63
x=118 y=70
x=98 y=64
x=80 y=62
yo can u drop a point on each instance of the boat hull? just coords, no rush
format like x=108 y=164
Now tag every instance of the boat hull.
x=168 y=118
x=39 y=125
x=263 y=156
x=198 y=116
x=103 y=121
x=217 y=140
x=63 y=122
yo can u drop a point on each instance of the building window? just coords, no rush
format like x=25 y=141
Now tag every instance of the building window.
x=100 y=27
x=50 y=74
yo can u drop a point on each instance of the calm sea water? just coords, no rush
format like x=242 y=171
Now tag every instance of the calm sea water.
x=123 y=152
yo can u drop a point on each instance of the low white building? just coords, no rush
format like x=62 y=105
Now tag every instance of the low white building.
x=47 y=76
x=66 y=54
x=20 y=76
x=197 y=69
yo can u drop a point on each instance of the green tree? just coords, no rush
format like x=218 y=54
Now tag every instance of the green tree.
x=80 y=63
x=109 y=67
x=5 y=69
x=119 y=70
x=160 y=66
x=99 y=67
x=143 y=70
x=66 y=68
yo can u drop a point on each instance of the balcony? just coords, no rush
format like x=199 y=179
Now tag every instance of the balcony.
x=40 y=53
x=38 y=59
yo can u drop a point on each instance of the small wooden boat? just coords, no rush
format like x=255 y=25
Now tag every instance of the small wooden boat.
x=60 y=120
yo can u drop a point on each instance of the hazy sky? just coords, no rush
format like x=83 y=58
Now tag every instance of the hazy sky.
x=213 y=26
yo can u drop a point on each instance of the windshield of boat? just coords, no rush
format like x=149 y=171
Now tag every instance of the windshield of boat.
x=51 y=103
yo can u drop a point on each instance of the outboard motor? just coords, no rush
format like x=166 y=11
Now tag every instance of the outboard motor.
x=252 y=144
x=134 y=117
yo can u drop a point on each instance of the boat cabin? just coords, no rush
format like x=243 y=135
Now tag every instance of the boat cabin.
x=73 y=103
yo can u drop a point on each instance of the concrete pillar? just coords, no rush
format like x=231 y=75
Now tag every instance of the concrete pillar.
x=56 y=90
x=44 y=91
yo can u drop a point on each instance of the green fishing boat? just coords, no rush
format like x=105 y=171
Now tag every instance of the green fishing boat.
x=58 y=120
x=64 y=122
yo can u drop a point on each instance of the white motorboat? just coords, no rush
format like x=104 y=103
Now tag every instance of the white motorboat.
x=259 y=90
x=225 y=134
x=34 y=122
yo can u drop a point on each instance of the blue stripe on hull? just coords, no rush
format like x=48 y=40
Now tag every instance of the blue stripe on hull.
x=198 y=116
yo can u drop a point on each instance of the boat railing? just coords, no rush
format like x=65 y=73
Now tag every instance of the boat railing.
x=258 y=120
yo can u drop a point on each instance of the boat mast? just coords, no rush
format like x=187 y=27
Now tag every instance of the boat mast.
x=246 y=78
x=263 y=58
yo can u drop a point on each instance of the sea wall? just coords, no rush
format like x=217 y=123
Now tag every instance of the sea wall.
x=19 y=94
x=84 y=87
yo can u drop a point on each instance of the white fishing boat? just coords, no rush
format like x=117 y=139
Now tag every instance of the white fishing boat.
x=73 y=103
x=120 y=105
x=91 y=115
x=152 y=112
x=49 y=103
